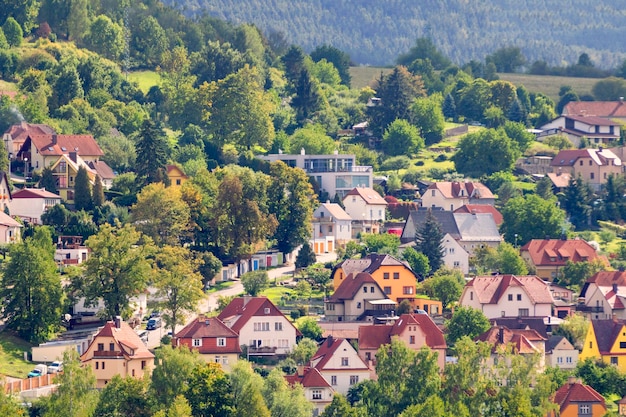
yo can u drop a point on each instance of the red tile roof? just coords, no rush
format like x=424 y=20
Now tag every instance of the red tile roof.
x=127 y=339
x=369 y=195
x=608 y=278
x=20 y=132
x=103 y=170
x=373 y=337
x=523 y=340
x=568 y=157
x=457 y=189
x=575 y=250
x=369 y=264
x=83 y=145
x=311 y=378
x=350 y=286
x=241 y=309
x=595 y=108
x=593 y=120
x=489 y=289
x=575 y=392
x=482 y=208
x=35 y=193
x=203 y=327
x=326 y=351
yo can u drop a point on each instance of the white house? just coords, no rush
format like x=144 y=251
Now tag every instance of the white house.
x=560 y=353
x=70 y=250
x=599 y=130
x=316 y=389
x=340 y=364
x=357 y=296
x=508 y=296
x=260 y=326
x=453 y=195
x=332 y=227
x=30 y=203
x=365 y=205
x=10 y=229
x=603 y=296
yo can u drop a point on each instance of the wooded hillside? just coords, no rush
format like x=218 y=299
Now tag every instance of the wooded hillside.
x=376 y=32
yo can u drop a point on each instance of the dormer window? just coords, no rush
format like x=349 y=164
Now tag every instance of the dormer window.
x=553 y=259
x=266 y=310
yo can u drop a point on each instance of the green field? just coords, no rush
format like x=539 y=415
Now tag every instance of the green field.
x=12 y=361
x=145 y=79
x=550 y=84
x=364 y=76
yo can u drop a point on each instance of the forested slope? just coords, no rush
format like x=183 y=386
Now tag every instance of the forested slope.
x=376 y=32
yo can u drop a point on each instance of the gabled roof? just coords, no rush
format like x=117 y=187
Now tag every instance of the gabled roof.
x=613 y=298
x=554 y=341
x=369 y=195
x=605 y=279
x=444 y=218
x=48 y=145
x=175 y=169
x=559 y=179
x=103 y=170
x=370 y=264
x=541 y=251
x=128 y=340
x=606 y=332
x=482 y=208
x=523 y=341
x=592 y=120
x=595 y=108
x=241 y=309
x=203 y=327
x=35 y=193
x=6 y=220
x=477 y=226
x=335 y=211
x=568 y=157
x=523 y=323
x=311 y=378
x=374 y=336
x=19 y=132
x=326 y=351
x=490 y=289
x=575 y=392
x=467 y=189
x=350 y=286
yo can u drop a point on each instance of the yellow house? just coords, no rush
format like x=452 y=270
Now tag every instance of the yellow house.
x=610 y=347
x=176 y=175
x=395 y=277
x=117 y=350
x=64 y=171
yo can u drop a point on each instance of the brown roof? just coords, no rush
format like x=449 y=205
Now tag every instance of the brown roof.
x=103 y=170
x=595 y=108
x=209 y=327
x=350 y=286
x=592 y=120
x=523 y=323
x=559 y=179
x=369 y=195
x=457 y=189
x=20 y=132
x=482 y=208
x=311 y=378
x=374 y=336
x=521 y=339
x=34 y=193
x=47 y=145
x=326 y=351
x=568 y=157
x=242 y=309
x=605 y=279
x=128 y=340
x=575 y=392
x=541 y=251
x=171 y=168
x=369 y=264
x=489 y=289
x=606 y=332
x=7 y=220
x=343 y=329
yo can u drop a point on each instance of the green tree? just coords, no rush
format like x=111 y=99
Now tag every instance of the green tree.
x=381 y=243
x=254 y=282
x=173 y=372
x=124 y=397
x=149 y=41
x=428 y=117
x=77 y=19
x=445 y=288
x=574 y=327
x=309 y=328
x=9 y=406
x=67 y=86
x=4 y=44
x=544 y=188
x=246 y=388
x=340 y=407
x=577 y=273
x=291 y=200
x=466 y=321
x=105 y=37
x=510 y=261
x=178 y=284
x=530 y=217
x=305 y=256
x=424 y=48
x=283 y=400
x=31 y=293
x=209 y=392
x=507 y=59
x=117 y=269
x=24 y=11
x=474 y=99
x=340 y=59
x=308 y=98
x=485 y=152
x=518 y=133
x=82 y=191
x=567 y=95
x=304 y=351
x=417 y=260
x=152 y=153
x=576 y=201
x=13 y=32
x=98 y=192
x=303 y=290
x=401 y=138
x=449 y=107
x=429 y=240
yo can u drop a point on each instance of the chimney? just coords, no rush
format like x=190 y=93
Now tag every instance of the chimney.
x=300 y=370
x=73 y=156
x=329 y=340
x=54 y=139
x=118 y=322
x=615 y=287
x=246 y=299
x=572 y=380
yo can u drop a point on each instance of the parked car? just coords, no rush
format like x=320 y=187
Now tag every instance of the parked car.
x=39 y=370
x=55 y=367
x=154 y=323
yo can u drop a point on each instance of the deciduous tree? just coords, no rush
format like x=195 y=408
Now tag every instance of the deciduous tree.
x=485 y=152
x=401 y=138
x=417 y=260
x=246 y=388
x=210 y=392
x=254 y=282
x=466 y=321
x=173 y=372
x=428 y=117
x=531 y=217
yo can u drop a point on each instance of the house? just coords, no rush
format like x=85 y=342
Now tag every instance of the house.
x=542 y=325
x=416 y=330
x=454 y=256
x=603 y=296
x=358 y=296
x=366 y=206
x=339 y=364
x=5 y=192
x=212 y=339
x=594 y=166
x=598 y=130
x=395 y=277
x=606 y=341
x=548 y=256
x=453 y=195
x=332 y=174
x=30 y=203
x=70 y=250
x=261 y=326
x=560 y=180
x=104 y=171
x=482 y=208
x=564 y=304
x=332 y=228
x=10 y=229
x=65 y=169
x=560 y=353
x=316 y=389
x=521 y=341
x=16 y=135
x=117 y=350
x=176 y=176
x=612 y=110
x=40 y=151
x=576 y=399
x=508 y=296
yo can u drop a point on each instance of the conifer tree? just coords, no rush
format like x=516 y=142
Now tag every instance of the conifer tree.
x=428 y=240
x=98 y=192
x=82 y=191
x=152 y=153
x=47 y=181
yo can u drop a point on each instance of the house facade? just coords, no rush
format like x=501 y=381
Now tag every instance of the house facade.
x=332 y=228
x=521 y=341
x=453 y=195
x=340 y=365
x=10 y=229
x=366 y=206
x=16 y=135
x=396 y=278
x=316 y=389
x=176 y=176
x=358 y=296
x=606 y=341
x=212 y=339
x=574 y=399
x=30 y=203
x=117 y=350
x=560 y=353
x=603 y=296
x=70 y=251
x=594 y=166
x=598 y=130
x=508 y=296
x=260 y=325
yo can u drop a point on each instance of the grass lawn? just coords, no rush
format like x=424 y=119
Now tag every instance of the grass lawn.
x=275 y=293
x=222 y=285
x=12 y=361
x=145 y=79
x=550 y=84
x=363 y=76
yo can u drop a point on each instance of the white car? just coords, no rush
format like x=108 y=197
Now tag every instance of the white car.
x=55 y=367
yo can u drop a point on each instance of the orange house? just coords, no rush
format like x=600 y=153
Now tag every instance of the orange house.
x=395 y=277
x=576 y=399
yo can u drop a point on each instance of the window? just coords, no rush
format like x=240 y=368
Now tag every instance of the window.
x=333 y=380
x=581 y=163
x=387 y=290
x=590 y=345
x=591 y=176
x=221 y=341
x=266 y=310
x=330 y=307
x=316 y=394
x=471 y=295
x=523 y=312
x=218 y=359
x=372 y=290
x=262 y=327
x=584 y=409
x=344 y=362
x=432 y=193
x=102 y=364
x=112 y=347
x=100 y=346
x=225 y=360
x=386 y=275
x=510 y=297
x=559 y=360
x=133 y=373
x=457 y=264
x=568 y=359
x=590 y=162
x=278 y=327
x=368 y=356
x=396 y=275
x=97 y=365
x=177 y=181
x=358 y=305
x=519 y=297
x=365 y=289
x=143 y=364
x=622 y=345
x=407 y=290
x=196 y=342
x=354 y=379
x=451 y=250
x=411 y=340
x=613 y=360
x=330 y=229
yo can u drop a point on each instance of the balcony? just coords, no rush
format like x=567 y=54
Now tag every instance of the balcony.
x=590 y=309
x=107 y=354
x=262 y=351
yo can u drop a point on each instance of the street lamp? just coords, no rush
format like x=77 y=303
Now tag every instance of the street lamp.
x=25 y=169
x=515 y=240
